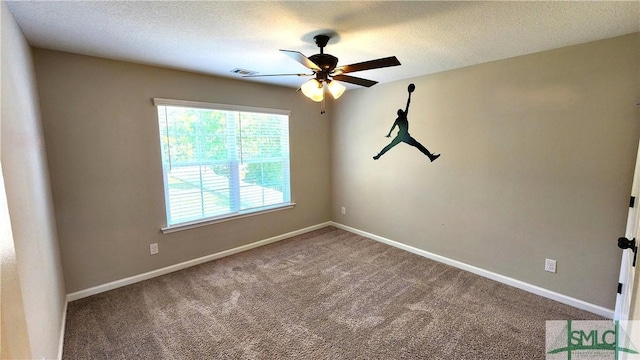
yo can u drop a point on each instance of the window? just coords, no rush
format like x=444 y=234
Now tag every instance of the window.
x=222 y=161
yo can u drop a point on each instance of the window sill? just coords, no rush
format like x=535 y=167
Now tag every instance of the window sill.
x=210 y=221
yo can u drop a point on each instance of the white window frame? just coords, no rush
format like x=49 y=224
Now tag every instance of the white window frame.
x=288 y=204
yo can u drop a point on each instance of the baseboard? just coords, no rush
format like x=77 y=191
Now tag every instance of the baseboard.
x=63 y=325
x=580 y=304
x=169 y=269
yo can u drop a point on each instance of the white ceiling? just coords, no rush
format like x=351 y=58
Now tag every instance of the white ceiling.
x=214 y=37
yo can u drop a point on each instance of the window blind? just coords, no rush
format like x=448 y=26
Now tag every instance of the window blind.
x=220 y=160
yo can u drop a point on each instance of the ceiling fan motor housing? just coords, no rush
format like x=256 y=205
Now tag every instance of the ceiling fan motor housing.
x=326 y=62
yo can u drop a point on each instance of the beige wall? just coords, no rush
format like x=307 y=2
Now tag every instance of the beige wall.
x=538 y=155
x=537 y=162
x=104 y=156
x=33 y=293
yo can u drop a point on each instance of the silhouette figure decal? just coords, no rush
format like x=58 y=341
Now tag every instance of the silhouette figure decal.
x=403 y=132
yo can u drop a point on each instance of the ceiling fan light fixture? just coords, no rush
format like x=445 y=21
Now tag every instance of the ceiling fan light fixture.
x=313 y=90
x=335 y=88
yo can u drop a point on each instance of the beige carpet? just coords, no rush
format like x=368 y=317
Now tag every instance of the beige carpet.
x=328 y=294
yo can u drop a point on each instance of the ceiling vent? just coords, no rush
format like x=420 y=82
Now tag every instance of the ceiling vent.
x=243 y=72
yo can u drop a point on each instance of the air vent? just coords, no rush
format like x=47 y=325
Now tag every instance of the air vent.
x=243 y=72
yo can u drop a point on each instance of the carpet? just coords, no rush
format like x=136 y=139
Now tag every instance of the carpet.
x=327 y=294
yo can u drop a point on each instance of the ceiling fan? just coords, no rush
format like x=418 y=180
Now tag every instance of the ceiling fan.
x=326 y=71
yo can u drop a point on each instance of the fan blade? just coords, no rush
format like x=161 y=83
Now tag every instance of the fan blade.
x=249 y=76
x=355 y=80
x=368 y=65
x=299 y=57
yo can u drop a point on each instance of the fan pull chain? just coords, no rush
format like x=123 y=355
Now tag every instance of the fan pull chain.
x=324 y=96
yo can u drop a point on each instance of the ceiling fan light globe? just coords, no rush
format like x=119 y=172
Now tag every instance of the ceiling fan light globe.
x=313 y=90
x=336 y=89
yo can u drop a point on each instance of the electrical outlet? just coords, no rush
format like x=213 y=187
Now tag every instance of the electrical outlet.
x=550 y=265
x=153 y=248
x=344 y=210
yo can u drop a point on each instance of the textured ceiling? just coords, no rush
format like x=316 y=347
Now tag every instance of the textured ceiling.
x=214 y=37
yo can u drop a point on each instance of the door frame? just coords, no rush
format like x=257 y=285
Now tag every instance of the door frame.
x=626 y=296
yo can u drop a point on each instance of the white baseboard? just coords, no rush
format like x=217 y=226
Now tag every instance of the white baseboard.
x=63 y=325
x=580 y=304
x=165 y=270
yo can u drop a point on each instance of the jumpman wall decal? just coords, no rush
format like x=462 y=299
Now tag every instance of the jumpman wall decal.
x=402 y=123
